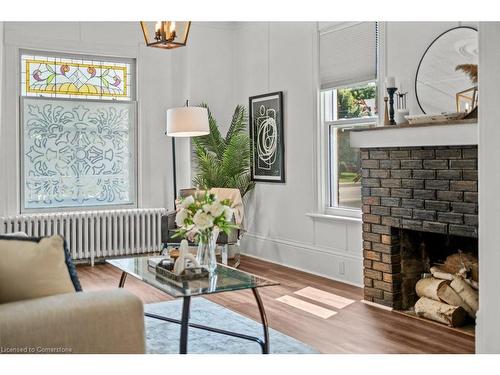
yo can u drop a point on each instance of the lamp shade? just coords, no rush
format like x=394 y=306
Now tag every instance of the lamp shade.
x=187 y=122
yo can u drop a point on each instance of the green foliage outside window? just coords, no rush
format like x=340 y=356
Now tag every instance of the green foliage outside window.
x=352 y=102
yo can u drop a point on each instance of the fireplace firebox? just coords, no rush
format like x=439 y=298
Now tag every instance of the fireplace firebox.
x=420 y=205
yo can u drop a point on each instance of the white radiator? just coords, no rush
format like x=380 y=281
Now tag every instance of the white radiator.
x=95 y=234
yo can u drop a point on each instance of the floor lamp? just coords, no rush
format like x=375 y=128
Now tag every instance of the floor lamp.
x=185 y=122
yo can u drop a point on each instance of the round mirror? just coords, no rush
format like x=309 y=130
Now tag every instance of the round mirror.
x=446 y=79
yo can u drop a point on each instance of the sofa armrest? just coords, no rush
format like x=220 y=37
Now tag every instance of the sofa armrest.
x=86 y=322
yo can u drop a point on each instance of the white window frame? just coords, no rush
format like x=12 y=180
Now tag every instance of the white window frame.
x=132 y=61
x=323 y=175
x=331 y=193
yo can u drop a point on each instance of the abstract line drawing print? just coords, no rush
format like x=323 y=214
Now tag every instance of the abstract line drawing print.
x=267 y=138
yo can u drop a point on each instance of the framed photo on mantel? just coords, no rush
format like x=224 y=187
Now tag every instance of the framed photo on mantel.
x=267 y=138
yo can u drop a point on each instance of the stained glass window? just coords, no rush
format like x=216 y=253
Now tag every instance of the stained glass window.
x=77 y=152
x=59 y=76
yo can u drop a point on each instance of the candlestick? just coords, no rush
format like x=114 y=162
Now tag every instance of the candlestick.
x=391 y=91
x=390 y=82
x=386 y=111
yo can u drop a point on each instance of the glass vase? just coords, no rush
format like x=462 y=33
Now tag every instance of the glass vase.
x=206 y=251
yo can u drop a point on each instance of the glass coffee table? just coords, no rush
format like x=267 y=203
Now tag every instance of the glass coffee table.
x=224 y=279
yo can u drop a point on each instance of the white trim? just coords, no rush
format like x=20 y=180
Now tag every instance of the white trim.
x=330 y=217
x=352 y=122
x=381 y=69
x=437 y=135
x=306 y=271
x=318 y=147
x=377 y=305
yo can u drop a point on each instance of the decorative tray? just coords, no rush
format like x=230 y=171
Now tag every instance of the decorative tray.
x=193 y=273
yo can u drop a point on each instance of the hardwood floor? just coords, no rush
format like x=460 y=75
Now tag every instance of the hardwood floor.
x=355 y=328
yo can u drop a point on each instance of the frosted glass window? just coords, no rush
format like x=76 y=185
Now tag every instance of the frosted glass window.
x=77 y=153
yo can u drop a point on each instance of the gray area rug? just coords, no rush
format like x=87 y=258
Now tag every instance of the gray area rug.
x=163 y=337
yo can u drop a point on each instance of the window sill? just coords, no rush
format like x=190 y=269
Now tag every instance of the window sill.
x=332 y=217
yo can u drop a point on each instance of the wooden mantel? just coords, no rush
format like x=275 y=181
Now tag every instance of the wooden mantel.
x=450 y=134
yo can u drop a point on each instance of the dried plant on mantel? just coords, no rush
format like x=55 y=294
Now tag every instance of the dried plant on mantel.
x=470 y=70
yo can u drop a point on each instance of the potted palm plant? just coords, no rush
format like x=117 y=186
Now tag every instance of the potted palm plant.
x=224 y=161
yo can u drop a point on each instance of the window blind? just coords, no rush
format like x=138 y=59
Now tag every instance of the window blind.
x=348 y=55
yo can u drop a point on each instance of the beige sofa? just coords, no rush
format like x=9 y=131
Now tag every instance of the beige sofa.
x=85 y=322
x=46 y=311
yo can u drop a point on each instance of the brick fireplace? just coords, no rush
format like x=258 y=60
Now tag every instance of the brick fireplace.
x=414 y=197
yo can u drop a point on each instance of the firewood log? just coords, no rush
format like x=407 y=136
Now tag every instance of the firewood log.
x=440 y=312
x=438 y=273
x=439 y=290
x=468 y=294
x=429 y=287
x=448 y=295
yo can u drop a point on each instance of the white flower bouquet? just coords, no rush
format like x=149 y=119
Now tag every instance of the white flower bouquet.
x=199 y=216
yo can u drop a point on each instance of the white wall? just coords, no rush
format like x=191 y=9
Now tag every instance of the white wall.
x=488 y=328
x=154 y=89
x=202 y=73
x=281 y=56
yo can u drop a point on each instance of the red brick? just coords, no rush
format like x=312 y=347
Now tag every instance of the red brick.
x=388 y=287
x=374 y=293
x=392 y=277
x=386 y=239
x=369 y=218
x=372 y=274
x=387 y=268
x=373 y=255
x=375 y=201
x=371 y=237
x=391 y=258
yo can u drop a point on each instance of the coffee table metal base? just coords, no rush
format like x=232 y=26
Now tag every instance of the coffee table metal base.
x=185 y=324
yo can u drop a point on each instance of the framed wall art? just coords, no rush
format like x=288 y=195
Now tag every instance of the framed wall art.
x=267 y=137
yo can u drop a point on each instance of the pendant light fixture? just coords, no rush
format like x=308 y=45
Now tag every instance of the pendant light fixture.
x=166 y=34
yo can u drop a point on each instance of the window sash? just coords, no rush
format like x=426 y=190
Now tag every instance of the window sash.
x=332 y=200
x=131 y=161
x=353 y=120
x=329 y=134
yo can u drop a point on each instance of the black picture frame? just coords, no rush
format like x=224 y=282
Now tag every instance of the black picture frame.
x=267 y=165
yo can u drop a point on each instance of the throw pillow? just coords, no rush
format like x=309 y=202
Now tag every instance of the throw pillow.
x=32 y=267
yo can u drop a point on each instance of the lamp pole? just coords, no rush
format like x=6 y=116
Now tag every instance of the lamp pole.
x=174 y=169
